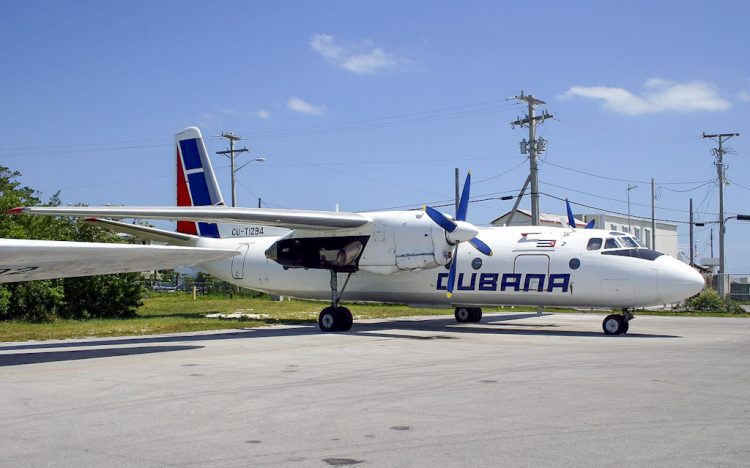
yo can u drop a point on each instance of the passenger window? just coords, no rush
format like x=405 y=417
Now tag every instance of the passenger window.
x=595 y=243
x=611 y=243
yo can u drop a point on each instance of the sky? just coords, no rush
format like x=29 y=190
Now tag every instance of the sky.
x=371 y=105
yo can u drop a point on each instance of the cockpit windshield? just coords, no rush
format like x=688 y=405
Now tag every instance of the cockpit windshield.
x=629 y=242
x=611 y=243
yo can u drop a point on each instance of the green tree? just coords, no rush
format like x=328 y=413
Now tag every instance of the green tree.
x=87 y=297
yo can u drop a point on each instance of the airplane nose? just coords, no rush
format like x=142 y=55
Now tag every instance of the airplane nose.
x=677 y=280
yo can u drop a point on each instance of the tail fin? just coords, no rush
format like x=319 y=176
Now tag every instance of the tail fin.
x=196 y=182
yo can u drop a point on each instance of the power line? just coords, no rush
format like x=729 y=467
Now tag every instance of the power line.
x=75 y=145
x=388 y=121
x=502 y=173
x=83 y=150
x=604 y=210
x=380 y=162
x=616 y=179
x=611 y=199
x=449 y=202
x=690 y=189
x=643 y=137
x=481 y=108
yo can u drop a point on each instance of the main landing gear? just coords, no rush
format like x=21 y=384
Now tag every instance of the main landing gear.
x=336 y=318
x=468 y=314
x=617 y=324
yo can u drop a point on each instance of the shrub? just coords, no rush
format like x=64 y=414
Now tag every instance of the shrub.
x=709 y=300
x=33 y=301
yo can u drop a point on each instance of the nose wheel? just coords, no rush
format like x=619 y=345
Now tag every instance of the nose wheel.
x=616 y=324
x=468 y=314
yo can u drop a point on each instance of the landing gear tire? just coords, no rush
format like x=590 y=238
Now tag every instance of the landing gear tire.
x=468 y=314
x=335 y=319
x=614 y=325
x=462 y=314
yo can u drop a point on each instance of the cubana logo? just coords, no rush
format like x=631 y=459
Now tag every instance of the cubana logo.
x=534 y=282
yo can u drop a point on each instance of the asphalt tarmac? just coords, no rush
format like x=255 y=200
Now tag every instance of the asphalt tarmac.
x=516 y=390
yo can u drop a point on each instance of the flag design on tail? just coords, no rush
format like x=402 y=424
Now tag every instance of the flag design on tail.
x=196 y=182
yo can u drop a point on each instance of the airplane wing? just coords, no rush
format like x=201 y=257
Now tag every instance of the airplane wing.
x=145 y=232
x=23 y=260
x=292 y=219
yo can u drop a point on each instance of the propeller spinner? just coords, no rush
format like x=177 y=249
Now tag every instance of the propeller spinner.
x=458 y=230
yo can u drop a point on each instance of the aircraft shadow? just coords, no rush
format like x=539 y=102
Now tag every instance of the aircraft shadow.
x=491 y=324
x=19 y=359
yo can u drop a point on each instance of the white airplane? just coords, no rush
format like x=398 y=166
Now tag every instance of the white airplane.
x=412 y=257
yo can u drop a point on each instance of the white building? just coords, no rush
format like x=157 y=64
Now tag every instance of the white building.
x=523 y=218
x=640 y=228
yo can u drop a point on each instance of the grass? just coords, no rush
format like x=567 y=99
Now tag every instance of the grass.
x=178 y=312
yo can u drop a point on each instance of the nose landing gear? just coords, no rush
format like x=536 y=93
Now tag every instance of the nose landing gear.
x=468 y=314
x=615 y=324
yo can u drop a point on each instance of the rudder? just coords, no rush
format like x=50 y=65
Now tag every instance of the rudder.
x=196 y=181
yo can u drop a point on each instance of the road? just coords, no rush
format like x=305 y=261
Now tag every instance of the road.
x=516 y=390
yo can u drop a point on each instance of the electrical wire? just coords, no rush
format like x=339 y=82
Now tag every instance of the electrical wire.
x=502 y=173
x=604 y=210
x=600 y=176
x=609 y=198
x=387 y=121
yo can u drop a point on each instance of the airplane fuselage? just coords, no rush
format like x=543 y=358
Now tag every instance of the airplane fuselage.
x=530 y=266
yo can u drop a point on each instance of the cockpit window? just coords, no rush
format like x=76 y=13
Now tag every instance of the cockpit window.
x=611 y=243
x=595 y=243
x=628 y=242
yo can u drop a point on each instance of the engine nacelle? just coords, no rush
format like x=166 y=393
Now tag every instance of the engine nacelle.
x=395 y=241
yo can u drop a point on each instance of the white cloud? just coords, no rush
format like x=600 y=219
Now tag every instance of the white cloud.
x=659 y=95
x=263 y=114
x=298 y=105
x=357 y=57
x=744 y=95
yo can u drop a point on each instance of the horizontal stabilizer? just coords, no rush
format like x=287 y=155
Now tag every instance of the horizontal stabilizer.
x=145 y=232
x=23 y=260
x=293 y=219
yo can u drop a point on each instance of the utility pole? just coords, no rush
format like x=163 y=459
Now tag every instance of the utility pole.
x=719 y=152
x=518 y=201
x=692 y=241
x=630 y=187
x=653 y=215
x=230 y=153
x=533 y=147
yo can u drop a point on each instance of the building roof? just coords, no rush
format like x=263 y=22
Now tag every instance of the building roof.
x=543 y=218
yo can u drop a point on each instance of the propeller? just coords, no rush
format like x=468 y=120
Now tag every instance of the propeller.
x=458 y=230
x=572 y=219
